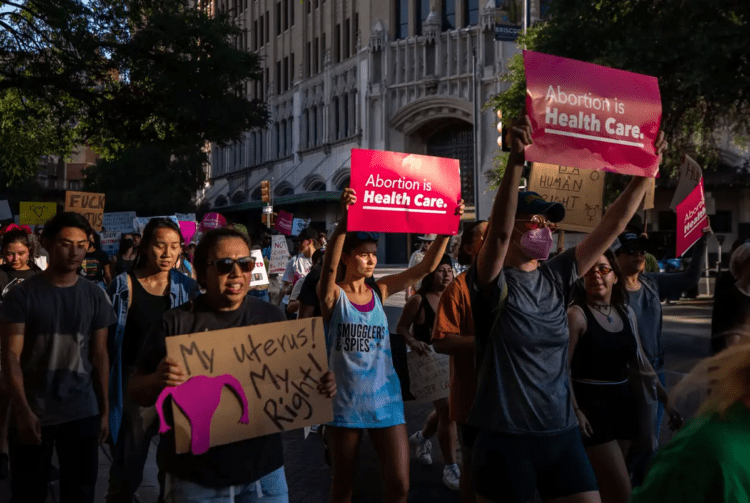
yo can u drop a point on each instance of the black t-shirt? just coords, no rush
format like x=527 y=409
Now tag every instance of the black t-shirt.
x=308 y=294
x=93 y=265
x=145 y=312
x=9 y=278
x=232 y=464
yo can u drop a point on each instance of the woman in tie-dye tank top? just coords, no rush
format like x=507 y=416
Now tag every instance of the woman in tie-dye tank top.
x=359 y=354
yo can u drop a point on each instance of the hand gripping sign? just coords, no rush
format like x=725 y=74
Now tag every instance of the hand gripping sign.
x=590 y=116
x=399 y=192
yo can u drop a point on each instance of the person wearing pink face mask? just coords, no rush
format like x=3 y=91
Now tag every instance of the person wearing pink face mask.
x=528 y=438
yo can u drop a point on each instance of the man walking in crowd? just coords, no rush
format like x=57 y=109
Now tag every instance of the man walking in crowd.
x=528 y=436
x=416 y=257
x=298 y=266
x=55 y=363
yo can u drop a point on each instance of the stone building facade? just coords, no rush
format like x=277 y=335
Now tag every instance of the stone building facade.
x=400 y=75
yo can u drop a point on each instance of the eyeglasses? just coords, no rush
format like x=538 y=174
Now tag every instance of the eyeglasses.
x=602 y=270
x=225 y=265
x=633 y=250
x=368 y=236
x=538 y=221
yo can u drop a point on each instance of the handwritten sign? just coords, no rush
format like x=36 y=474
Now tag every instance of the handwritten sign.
x=580 y=191
x=278 y=365
x=591 y=116
x=279 y=255
x=691 y=219
x=399 y=192
x=212 y=221
x=284 y=223
x=88 y=204
x=36 y=213
x=690 y=176
x=429 y=375
x=119 y=221
x=298 y=225
x=110 y=242
x=140 y=223
x=258 y=276
x=5 y=213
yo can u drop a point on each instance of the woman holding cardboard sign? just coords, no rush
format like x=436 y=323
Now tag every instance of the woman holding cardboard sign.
x=359 y=354
x=248 y=470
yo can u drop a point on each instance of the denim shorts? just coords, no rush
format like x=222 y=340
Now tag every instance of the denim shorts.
x=271 y=488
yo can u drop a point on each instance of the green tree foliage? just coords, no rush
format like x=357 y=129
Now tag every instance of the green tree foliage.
x=117 y=75
x=696 y=48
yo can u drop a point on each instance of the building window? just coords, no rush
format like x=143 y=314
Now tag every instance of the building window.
x=314 y=128
x=315 y=55
x=255 y=35
x=337 y=44
x=261 y=41
x=449 y=14
x=336 y=121
x=291 y=70
x=471 y=12
x=289 y=127
x=278 y=18
x=286 y=74
x=402 y=18
x=268 y=23
x=347 y=38
x=423 y=10
x=345 y=116
x=308 y=60
x=291 y=12
x=278 y=77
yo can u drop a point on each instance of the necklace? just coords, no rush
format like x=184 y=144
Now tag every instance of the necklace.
x=608 y=314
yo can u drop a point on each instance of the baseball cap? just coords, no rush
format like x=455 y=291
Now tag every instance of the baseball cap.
x=629 y=241
x=532 y=203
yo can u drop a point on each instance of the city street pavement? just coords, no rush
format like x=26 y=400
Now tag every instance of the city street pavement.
x=685 y=338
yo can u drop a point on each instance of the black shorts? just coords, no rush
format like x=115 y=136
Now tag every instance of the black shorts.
x=610 y=410
x=509 y=467
x=467 y=435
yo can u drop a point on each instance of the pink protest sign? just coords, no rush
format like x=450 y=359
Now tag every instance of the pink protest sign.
x=284 y=223
x=691 y=219
x=404 y=193
x=187 y=229
x=590 y=116
x=212 y=221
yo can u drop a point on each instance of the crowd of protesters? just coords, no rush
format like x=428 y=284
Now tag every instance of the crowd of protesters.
x=557 y=383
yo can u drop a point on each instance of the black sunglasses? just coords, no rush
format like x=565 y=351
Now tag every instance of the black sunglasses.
x=225 y=265
x=368 y=236
x=632 y=250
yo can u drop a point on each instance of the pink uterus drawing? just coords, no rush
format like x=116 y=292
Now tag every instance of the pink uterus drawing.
x=198 y=398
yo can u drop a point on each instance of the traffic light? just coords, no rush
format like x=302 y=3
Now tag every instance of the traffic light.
x=265 y=191
x=269 y=220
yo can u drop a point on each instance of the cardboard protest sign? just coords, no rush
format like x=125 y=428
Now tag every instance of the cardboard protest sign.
x=691 y=219
x=690 y=175
x=212 y=221
x=36 y=213
x=429 y=376
x=298 y=225
x=5 y=213
x=187 y=229
x=187 y=217
x=648 y=199
x=580 y=191
x=278 y=366
x=279 y=255
x=88 y=204
x=399 y=192
x=258 y=276
x=140 y=223
x=590 y=116
x=120 y=221
x=284 y=223
x=110 y=242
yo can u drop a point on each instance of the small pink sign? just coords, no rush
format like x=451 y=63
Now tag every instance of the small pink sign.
x=590 y=116
x=284 y=223
x=691 y=219
x=399 y=192
x=212 y=221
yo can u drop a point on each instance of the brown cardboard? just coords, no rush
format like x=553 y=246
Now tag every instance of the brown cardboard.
x=88 y=204
x=579 y=190
x=429 y=376
x=279 y=366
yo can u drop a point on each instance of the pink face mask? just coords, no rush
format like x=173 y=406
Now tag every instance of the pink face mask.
x=537 y=243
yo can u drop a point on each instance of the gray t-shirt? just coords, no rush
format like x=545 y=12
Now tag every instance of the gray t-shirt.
x=55 y=360
x=522 y=349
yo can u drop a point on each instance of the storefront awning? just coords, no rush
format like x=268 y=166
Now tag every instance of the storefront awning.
x=307 y=197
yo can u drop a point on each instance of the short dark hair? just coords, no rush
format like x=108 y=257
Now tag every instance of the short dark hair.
x=149 y=231
x=427 y=282
x=208 y=242
x=64 y=220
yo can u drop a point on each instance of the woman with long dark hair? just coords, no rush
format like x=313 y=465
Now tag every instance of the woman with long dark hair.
x=603 y=347
x=359 y=354
x=140 y=297
x=126 y=254
x=415 y=325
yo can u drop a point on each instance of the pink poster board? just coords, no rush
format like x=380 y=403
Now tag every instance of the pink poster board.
x=284 y=223
x=590 y=116
x=188 y=230
x=399 y=192
x=212 y=221
x=691 y=219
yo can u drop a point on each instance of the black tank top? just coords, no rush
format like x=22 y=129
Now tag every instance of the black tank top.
x=602 y=355
x=145 y=311
x=423 y=331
